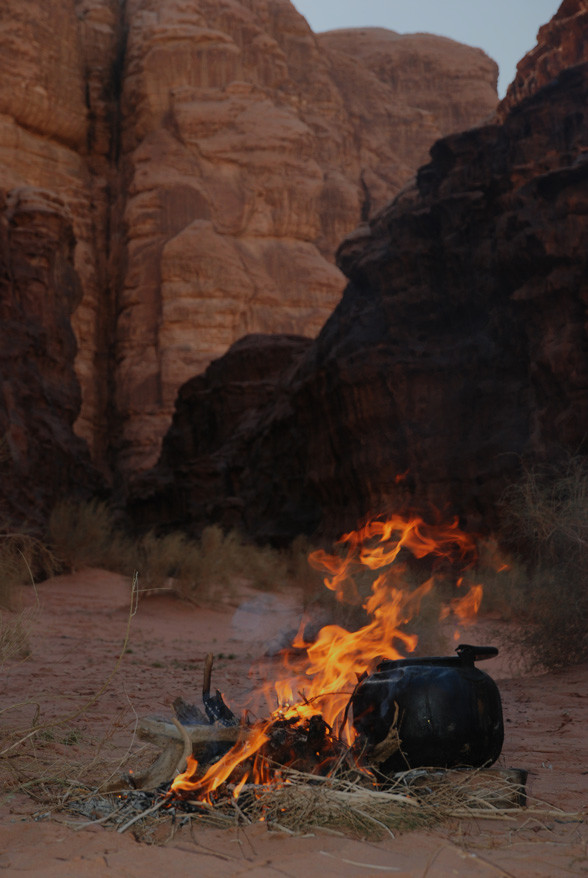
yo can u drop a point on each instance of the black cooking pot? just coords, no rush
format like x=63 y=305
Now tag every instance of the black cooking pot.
x=446 y=710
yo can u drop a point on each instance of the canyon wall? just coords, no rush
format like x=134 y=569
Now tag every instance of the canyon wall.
x=459 y=349
x=209 y=158
x=41 y=459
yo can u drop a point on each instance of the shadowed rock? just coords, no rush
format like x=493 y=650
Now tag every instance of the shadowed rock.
x=459 y=348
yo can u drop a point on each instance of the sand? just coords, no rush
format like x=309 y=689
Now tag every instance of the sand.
x=78 y=626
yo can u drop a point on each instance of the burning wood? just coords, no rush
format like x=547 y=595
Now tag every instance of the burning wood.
x=363 y=711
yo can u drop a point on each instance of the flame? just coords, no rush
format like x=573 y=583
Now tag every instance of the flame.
x=203 y=787
x=338 y=657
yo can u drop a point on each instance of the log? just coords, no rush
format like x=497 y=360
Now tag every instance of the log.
x=161 y=771
x=172 y=739
x=159 y=731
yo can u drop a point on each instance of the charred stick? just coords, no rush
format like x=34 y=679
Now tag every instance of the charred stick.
x=208 y=663
x=189 y=714
x=216 y=709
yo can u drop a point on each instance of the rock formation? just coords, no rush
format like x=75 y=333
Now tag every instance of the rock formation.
x=458 y=350
x=41 y=459
x=210 y=157
x=561 y=43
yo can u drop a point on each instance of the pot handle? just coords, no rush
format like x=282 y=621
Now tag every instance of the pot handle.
x=471 y=654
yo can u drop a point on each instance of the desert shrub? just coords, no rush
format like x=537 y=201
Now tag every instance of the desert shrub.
x=165 y=562
x=307 y=579
x=88 y=535
x=14 y=635
x=23 y=559
x=207 y=568
x=546 y=524
x=80 y=533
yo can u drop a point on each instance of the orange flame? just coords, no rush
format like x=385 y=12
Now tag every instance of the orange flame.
x=203 y=787
x=339 y=657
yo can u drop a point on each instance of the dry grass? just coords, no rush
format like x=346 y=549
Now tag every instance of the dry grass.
x=86 y=535
x=207 y=569
x=347 y=803
x=23 y=558
x=352 y=805
x=200 y=570
x=546 y=525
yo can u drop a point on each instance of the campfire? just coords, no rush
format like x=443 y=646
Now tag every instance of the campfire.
x=354 y=715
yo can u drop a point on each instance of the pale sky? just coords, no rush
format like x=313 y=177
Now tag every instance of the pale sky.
x=505 y=29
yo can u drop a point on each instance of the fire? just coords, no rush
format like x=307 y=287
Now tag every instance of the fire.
x=383 y=548
x=219 y=772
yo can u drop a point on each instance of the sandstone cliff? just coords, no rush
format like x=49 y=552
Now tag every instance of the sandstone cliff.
x=210 y=157
x=41 y=460
x=561 y=43
x=459 y=348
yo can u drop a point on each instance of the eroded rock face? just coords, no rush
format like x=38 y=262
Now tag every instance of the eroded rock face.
x=41 y=460
x=459 y=348
x=211 y=156
x=251 y=148
x=561 y=43
x=57 y=133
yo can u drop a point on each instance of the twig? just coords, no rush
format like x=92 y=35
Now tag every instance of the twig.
x=146 y=813
x=361 y=865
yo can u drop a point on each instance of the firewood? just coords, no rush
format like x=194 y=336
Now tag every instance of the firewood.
x=216 y=709
x=177 y=742
x=161 y=771
x=159 y=731
x=189 y=714
x=187 y=750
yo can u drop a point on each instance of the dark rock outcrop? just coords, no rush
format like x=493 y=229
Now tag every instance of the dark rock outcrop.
x=204 y=463
x=41 y=459
x=459 y=348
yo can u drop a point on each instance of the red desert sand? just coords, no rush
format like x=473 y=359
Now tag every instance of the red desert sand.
x=76 y=633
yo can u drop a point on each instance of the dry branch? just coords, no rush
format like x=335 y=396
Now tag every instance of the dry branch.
x=159 y=731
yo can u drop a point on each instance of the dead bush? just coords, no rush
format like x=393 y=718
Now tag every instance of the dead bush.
x=546 y=524
x=23 y=559
x=84 y=535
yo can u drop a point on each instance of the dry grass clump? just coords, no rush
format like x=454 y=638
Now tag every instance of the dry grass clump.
x=200 y=570
x=86 y=535
x=14 y=635
x=346 y=803
x=210 y=567
x=351 y=805
x=546 y=522
x=23 y=558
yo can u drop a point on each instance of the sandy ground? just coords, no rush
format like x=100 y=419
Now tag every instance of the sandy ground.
x=76 y=634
